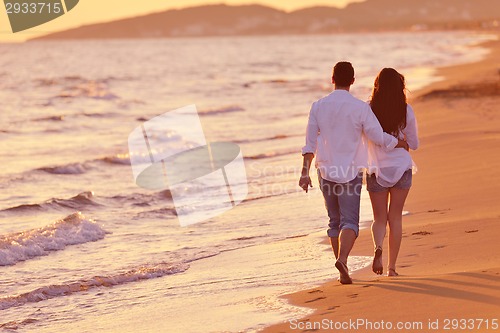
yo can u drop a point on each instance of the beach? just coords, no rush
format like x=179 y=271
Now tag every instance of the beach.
x=83 y=248
x=449 y=264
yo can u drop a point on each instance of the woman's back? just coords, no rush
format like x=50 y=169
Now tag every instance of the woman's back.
x=389 y=165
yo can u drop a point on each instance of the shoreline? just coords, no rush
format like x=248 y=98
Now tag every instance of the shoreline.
x=447 y=263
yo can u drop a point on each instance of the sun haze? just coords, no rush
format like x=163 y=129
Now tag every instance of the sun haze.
x=94 y=11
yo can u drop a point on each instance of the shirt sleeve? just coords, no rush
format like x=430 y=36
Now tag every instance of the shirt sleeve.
x=411 y=129
x=374 y=132
x=312 y=133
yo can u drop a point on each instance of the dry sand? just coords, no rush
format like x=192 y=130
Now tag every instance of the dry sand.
x=449 y=262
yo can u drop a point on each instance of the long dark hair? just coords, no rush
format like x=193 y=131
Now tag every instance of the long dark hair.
x=388 y=100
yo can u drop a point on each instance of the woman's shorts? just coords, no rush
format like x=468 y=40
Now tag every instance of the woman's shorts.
x=403 y=183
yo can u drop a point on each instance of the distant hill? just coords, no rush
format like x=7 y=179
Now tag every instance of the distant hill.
x=223 y=20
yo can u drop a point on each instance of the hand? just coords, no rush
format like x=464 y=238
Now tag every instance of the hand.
x=305 y=183
x=403 y=144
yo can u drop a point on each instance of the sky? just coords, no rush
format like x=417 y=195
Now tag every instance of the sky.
x=94 y=11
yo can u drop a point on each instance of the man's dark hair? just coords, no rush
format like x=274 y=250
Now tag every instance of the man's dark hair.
x=343 y=74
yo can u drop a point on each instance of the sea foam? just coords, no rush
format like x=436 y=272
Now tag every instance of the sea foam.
x=47 y=292
x=24 y=245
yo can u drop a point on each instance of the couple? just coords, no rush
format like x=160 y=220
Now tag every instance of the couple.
x=348 y=136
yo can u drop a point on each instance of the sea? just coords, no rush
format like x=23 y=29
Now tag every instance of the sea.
x=83 y=248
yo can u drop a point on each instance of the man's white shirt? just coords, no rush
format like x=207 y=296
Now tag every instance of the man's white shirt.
x=338 y=127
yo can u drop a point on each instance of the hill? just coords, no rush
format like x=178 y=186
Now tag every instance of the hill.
x=224 y=20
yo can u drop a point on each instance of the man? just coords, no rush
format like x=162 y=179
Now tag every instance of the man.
x=335 y=132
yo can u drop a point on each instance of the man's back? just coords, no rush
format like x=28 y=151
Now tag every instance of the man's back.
x=340 y=152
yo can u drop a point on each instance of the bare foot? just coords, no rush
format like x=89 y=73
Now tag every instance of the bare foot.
x=392 y=272
x=377 y=266
x=344 y=272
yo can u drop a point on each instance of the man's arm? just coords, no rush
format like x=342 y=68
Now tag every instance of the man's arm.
x=375 y=133
x=309 y=149
x=305 y=180
x=411 y=131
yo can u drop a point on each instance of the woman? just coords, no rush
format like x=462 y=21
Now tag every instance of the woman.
x=389 y=175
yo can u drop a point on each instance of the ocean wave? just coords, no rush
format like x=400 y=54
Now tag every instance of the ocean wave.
x=45 y=82
x=272 y=195
x=78 y=87
x=265 y=64
x=145 y=272
x=84 y=199
x=50 y=118
x=73 y=229
x=72 y=79
x=79 y=168
x=269 y=138
x=90 y=89
x=157 y=213
x=79 y=201
x=25 y=207
x=68 y=169
x=245 y=238
x=271 y=154
x=87 y=200
x=300 y=85
x=121 y=159
x=48 y=82
x=278 y=81
x=143 y=200
x=225 y=109
x=140 y=199
x=99 y=114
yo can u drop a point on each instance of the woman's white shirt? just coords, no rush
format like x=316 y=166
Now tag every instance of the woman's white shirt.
x=389 y=165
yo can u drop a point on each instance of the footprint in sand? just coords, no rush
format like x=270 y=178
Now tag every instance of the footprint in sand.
x=314 y=300
x=315 y=291
x=440 y=211
x=325 y=313
x=422 y=233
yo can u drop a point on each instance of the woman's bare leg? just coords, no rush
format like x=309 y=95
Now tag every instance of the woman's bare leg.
x=379 y=206
x=397 y=201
